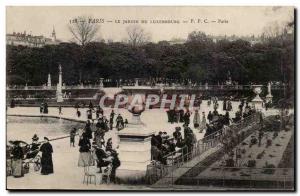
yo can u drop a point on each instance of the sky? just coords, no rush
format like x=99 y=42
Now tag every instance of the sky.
x=240 y=21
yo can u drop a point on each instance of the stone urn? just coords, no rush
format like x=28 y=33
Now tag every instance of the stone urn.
x=257 y=101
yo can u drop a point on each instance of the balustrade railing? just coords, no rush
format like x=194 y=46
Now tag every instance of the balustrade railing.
x=164 y=86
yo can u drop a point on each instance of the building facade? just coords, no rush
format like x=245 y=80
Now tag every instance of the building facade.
x=24 y=39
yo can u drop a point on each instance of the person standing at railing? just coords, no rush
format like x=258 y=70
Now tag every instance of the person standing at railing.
x=178 y=137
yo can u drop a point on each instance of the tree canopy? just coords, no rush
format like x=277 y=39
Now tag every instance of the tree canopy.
x=199 y=59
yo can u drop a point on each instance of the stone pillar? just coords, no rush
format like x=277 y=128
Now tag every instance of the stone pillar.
x=269 y=97
x=59 y=95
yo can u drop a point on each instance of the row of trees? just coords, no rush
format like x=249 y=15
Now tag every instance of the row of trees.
x=199 y=59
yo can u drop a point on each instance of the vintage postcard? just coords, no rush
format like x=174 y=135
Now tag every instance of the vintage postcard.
x=150 y=98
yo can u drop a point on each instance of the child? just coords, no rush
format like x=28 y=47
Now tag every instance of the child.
x=126 y=122
x=72 y=137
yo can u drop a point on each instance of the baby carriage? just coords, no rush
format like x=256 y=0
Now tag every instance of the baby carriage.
x=31 y=156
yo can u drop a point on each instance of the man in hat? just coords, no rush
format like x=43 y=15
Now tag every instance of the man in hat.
x=46 y=160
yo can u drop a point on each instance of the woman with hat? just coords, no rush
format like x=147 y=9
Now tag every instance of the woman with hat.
x=84 y=149
x=46 y=160
x=33 y=147
x=35 y=143
x=17 y=156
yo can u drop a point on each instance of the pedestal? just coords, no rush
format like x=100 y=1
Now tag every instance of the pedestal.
x=269 y=98
x=134 y=153
x=59 y=97
x=257 y=103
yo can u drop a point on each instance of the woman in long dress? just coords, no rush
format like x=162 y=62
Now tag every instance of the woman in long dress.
x=17 y=156
x=85 y=158
x=203 y=122
x=196 y=120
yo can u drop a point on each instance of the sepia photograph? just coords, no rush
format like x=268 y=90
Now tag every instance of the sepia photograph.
x=150 y=98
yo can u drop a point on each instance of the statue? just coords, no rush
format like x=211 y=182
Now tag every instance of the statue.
x=49 y=81
x=269 y=97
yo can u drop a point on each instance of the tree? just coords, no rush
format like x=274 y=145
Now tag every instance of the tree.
x=83 y=30
x=137 y=35
x=198 y=36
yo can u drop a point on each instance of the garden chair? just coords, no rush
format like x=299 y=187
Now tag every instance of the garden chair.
x=106 y=174
x=88 y=175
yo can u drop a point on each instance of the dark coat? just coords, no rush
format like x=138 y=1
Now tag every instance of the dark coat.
x=17 y=153
x=100 y=153
x=46 y=160
x=159 y=140
x=88 y=131
x=85 y=144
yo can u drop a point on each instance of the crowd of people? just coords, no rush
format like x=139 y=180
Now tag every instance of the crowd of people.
x=162 y=145
x=115 y=121
x=93 y=149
